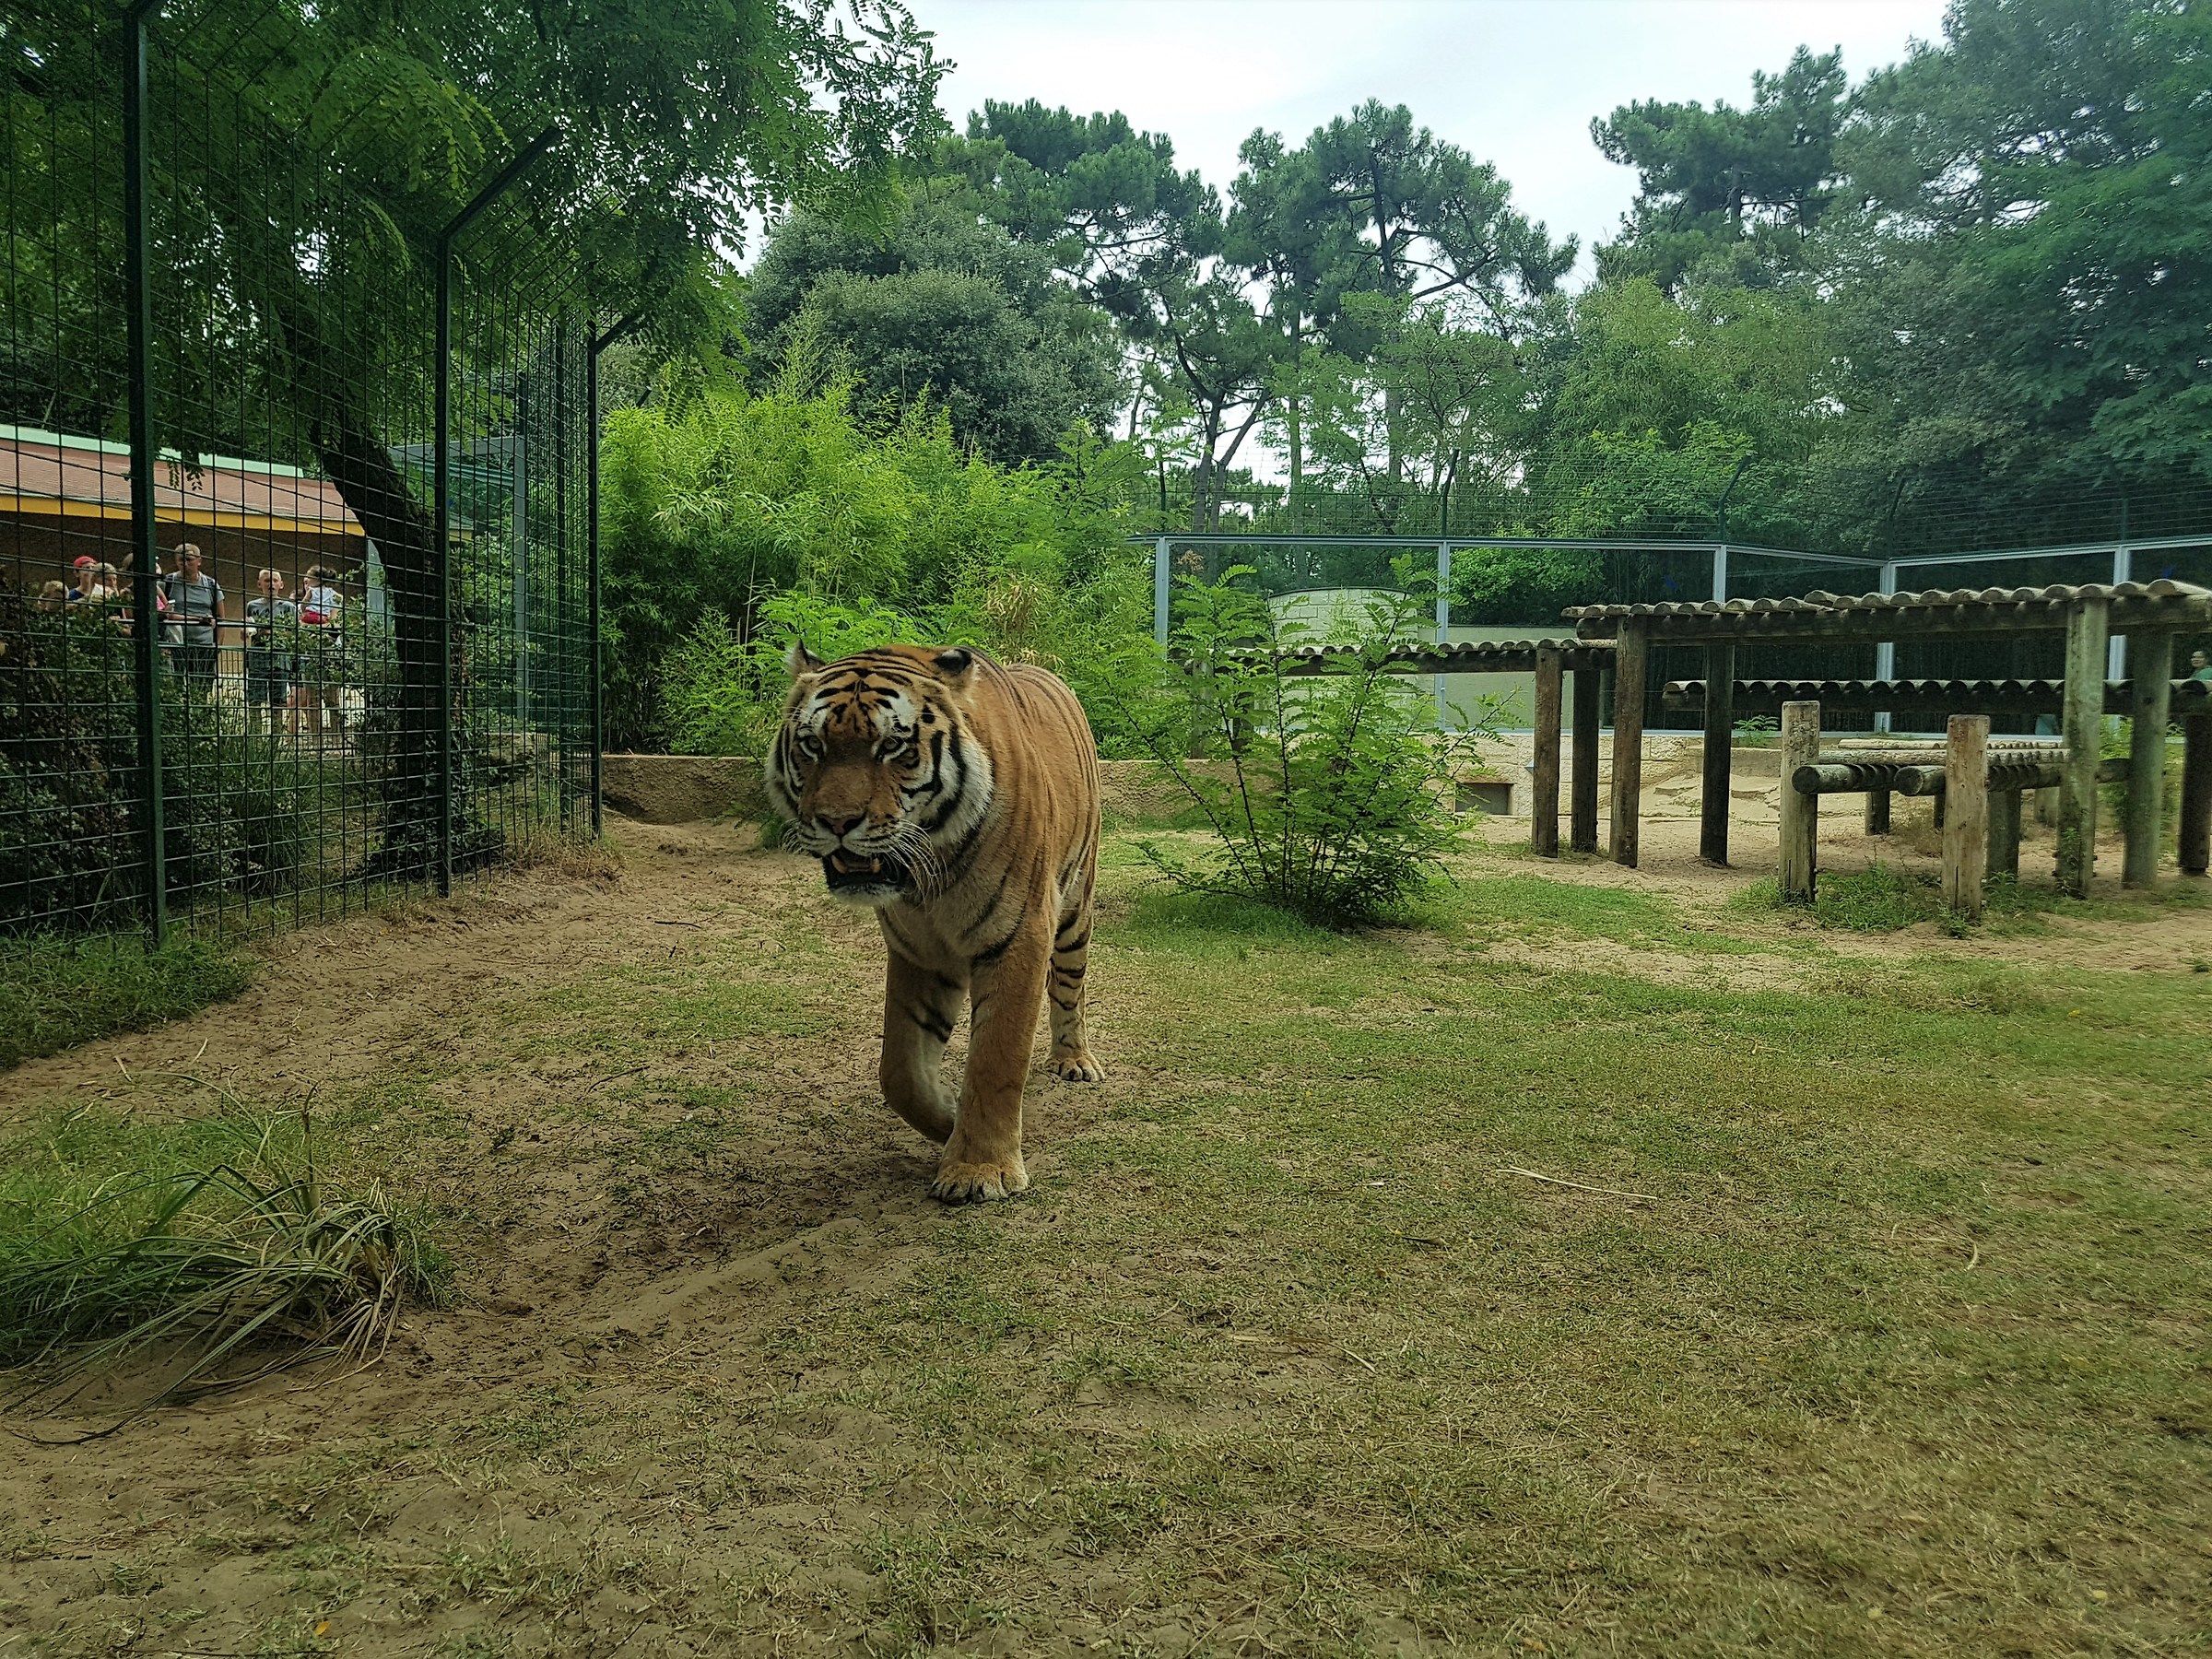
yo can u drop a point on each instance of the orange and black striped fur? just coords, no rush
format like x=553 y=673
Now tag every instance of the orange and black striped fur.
x=959 y=798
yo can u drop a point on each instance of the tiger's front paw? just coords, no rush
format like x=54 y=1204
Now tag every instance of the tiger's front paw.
x=960 y=1181
x=1076 y=1066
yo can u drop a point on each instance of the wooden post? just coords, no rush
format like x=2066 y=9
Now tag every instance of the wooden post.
x=1543 y=797
x=1800 y=813
x=2087 y=635
x=1720 y=738
x=2004 y=832
x=1582 y=787
x=2196 y=792
x=1877 y=812
x=1966 y=825
x=2150 y=691
x=1631 y=658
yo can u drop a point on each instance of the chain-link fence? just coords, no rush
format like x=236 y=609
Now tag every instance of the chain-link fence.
x=297 y=573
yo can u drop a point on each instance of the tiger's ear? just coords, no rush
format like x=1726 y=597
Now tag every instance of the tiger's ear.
x=801 y=660
x=953 y=665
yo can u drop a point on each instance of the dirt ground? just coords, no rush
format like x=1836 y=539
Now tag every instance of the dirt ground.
x=581 y=1276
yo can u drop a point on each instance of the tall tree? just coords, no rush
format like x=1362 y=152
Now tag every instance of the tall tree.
x=2038 y=298
x=945 y=306
x=1144 y=240
x=1743 y=190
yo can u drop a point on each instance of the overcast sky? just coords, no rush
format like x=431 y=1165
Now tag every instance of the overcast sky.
x=1514 y=82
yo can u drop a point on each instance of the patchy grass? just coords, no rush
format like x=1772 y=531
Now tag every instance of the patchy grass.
x=56 y=993
x=1877 y=1324
x=1885 y=899
x=214 y=1248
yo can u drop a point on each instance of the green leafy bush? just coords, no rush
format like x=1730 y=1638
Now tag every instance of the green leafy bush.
x=1332 y=797
x=237 y=810
x=722 y=695
x=732 y=504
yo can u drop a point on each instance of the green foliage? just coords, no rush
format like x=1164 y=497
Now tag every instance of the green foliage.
x=724 y=696
x=1731 y=193
x=56 y=993
x=213 y=1242
x=782 y=513
x=237 y=810
x=1334 y=800
x=947 y=310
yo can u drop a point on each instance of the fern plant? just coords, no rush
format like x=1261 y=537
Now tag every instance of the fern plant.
x=1331 y=794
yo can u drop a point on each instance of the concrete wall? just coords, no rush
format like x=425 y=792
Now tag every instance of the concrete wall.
x=676 y=789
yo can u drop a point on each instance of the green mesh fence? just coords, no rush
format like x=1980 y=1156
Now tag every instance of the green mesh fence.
x=261 y=654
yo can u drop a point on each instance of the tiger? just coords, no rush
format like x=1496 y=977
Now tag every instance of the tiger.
x=959 y=799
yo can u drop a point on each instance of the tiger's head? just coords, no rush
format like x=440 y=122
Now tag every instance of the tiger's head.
x=877 y=769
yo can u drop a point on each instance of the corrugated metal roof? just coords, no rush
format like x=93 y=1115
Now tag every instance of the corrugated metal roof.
x=2053 y=597
x=56 y=477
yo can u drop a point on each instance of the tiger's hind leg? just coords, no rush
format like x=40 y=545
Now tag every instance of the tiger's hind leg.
x=1071 y=1061
x=919 y=1008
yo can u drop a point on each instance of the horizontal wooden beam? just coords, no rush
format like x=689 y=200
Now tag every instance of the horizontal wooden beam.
x=1925 y=696
x=1927 y=777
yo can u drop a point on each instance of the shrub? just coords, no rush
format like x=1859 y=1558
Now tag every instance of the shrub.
x=236 y=809
x=1333 y=802
x=723 y=696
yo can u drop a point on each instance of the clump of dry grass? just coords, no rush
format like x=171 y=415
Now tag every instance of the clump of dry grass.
x=206 y=1254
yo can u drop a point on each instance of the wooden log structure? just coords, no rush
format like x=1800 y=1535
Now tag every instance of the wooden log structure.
x=1908 y=697
x=1926 y=780
x=2196 y=793
x=1877 y=812
x=1719 y=757
x=2005 y=832
x=2089 y=633
x=1581 y=825
x=1834 y=618
x=2150 y=658
x=1544 y=784
x=1800 y=811
x=1966 y=827
x=1631 y=662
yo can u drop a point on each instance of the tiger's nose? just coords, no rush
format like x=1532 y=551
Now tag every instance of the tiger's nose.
x=842 y=827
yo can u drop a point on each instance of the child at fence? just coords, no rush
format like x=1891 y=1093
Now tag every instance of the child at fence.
x=322 y=665
x=272 y=621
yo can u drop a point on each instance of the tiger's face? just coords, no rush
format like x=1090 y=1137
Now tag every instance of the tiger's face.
x=876 y=770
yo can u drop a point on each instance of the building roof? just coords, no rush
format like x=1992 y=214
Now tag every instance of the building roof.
x=2161 y=603
x=54 y=473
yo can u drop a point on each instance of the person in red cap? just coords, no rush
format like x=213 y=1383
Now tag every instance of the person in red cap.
x=82 y=575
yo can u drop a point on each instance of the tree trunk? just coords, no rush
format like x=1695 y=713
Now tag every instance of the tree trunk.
x=375 y=491
x=1297 y=403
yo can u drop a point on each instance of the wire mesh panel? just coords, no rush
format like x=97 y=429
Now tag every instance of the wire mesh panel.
x=282 y=669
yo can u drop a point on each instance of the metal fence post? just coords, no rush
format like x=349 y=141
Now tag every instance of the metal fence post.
x=1720 y=571
x=590 y=558
x=562 y=617
x=139 y=343
x=1884 y=653
x=1159 y=593
x=2124 y=569
x=596 y=343
x=1443 y=622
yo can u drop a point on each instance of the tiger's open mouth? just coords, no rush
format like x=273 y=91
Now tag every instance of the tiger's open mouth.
x=850 y=873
